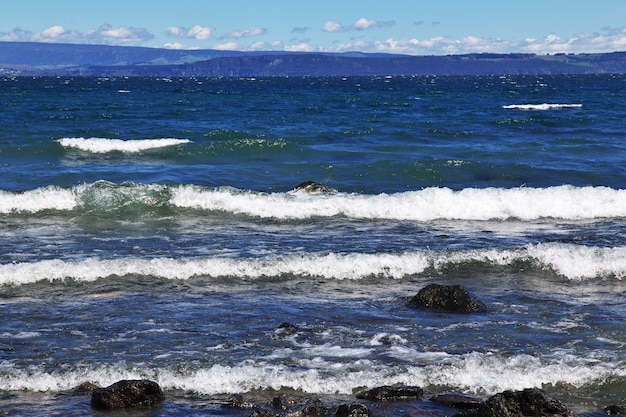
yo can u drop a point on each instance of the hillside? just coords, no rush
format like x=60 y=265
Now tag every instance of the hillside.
x=28 y=58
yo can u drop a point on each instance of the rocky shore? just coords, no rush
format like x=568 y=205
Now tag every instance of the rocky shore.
x=401 y=400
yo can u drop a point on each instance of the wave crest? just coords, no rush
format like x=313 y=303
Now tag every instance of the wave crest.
x=527 y=204
x=105 y=145
x=571 y=261
x=542 y=106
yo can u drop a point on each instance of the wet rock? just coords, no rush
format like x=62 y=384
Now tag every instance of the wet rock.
x=531 y=402
x=237 y=401
x=315 y=408
x=392 y=393
x=314 y=187
x=449 y=298
x=353 y=410
x=615 y=410
x=286 y=329
x=127 y=394
x=281 y=402
x=457 y=400
x=85 y=387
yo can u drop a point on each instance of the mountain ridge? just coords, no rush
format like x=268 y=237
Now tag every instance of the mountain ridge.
x=32 y=58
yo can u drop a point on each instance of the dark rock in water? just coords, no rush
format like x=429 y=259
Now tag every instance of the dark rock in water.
x=450 y=298
x=615 y=410
x=457 y=400
x=237 y=401
x=531 y=402
x=353 y=410
x=127 y=394
x=314 y=187
x=315 y=408
x=392 y=393
x=281 y=402
x=286 y=329
x=86 y=387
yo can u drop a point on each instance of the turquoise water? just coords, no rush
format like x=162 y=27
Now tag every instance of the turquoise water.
x=150 y=229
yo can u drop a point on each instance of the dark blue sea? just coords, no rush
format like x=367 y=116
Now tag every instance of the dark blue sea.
x=151 y=228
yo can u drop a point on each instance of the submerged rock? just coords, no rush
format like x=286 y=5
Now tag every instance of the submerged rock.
x=281 y=402
x=531 y=402
x=353 y=410
x=458 y=400
x=450 y=298
x=237 y=401
x=127 y=394
x=392 y=393
x=314 y=187
x=85 y=387
x=286 y=329
x=314 y=408
x=264 y=413
x=615 y=410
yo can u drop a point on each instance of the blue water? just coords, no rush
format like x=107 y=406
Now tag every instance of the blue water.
x=150 y=229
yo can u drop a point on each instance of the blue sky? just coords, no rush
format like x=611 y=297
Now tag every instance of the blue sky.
x=416 y=27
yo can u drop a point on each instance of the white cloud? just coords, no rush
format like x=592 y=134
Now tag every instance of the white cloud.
x=246 y=33
x=227 y=46
x=331 y=26
x=259 y=46
x=174 y=45
x=55 y=33
x=197 y=32
x=16 y=34
x=175 y=31
x=300 y=47
x=605 y=40
x=363 y=24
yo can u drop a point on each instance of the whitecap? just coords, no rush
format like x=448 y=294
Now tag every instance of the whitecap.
x=568 y=260
x=482 y=373
x=105 y=145
x=434 y=203
x=39 y=199
x=542 y=106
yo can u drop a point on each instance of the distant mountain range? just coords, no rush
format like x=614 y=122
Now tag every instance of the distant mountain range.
x=30 y=58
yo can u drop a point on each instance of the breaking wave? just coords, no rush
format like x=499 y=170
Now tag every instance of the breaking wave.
x=476 y=204
x=573 y=262
x=105 y=145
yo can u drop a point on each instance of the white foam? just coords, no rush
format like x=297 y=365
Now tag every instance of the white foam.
x=542 y=106
x=561 y=202
x=477 y=204
x=483 y=373
x=352 y=266
x=581 y=262
x=104 y=145
x=571 y=261
x=381 y=339
x=39 y=199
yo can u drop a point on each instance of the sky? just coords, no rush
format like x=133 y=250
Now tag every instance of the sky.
x=413 y=27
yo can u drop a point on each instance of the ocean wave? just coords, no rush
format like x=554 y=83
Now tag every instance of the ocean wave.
x=542 y=106
x=481 y=373
x=562 y=202
x=475 y=204
x=105 y=145
x=574 y=262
